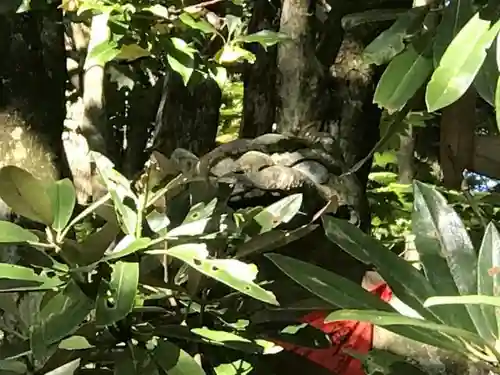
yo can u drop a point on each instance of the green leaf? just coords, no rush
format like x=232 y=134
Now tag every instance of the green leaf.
x=344 y=293
x=75 y=343
x=385 y=318
x=12 y=233
x=229 y=340
x=464 y=300
x=128 y=245
x=175 y=361
x=404 y=75
x=158 y=10
x=231 y=53
x=180 y=57
x=447 y=255
x=488 y=274
x=135 y=360
x=232 y=272
x=102 y=53
x=200 y=24
x=497 y=103
x=405 y=280
x=238 y=367
x=63 y=197
x=116 y=302
x=487 y=77
x=279 y=212
x=391 y=42
x=15 y=278
x=460 y=63
x=455 y=15
x=131 y=52
x=328 y=286
x=266 y=38
x=59 y=317
x=25 y=195
x=11 y=365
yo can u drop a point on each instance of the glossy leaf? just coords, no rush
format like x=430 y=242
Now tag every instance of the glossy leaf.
x=116 y=302
x=488 y=274
x=385 y=318
x=66 y=369
x=128 y=245
x=447 y=255
x=279 y=212
x=266 y=38
x=405 y=280
x=464 y=300
x=456 y=14
x=404 y=75
x=15 y=278
x=392 y=41
x=63 y=197
x=181 y=59
x=12 y=233
x=158 y=10
x=234 y=273
x=102 y=53
x=59 y=317
x=200 y=24
x=497 y=102
x=344 y=293
x=460 y=63
x=25 y=195
x=175 y=361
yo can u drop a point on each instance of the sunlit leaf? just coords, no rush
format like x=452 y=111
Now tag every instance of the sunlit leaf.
x=75 y=343
x=66 y=369
x=232 y=53
x=199 y=24
x=131 y=52
x=460 y=63
x=234 y=273
x=488 y=274
x=279 y=212
x=404 y=75
x=128 y=245
x=12 y=233
x=266 y=38
x=158 y=10
x=15 y=278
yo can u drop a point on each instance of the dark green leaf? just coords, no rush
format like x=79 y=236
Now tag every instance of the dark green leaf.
x=488 y=274
x=199 y=24
x=391 y=42
x=11 y=365
x=455 y=15
x=12 y=233
x=59 y=317
x=122 y=291
x=486 y=79
x=447 y=255
x=175 y=361
x=25 y=195
x=63 y=197
x=17 y=278
x=405 y=280
x=404 y=75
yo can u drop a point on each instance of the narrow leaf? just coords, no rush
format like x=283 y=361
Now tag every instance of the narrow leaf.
x=63 y=198
x=15 y=278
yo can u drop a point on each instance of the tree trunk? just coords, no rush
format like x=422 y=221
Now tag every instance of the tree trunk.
x=33 y=77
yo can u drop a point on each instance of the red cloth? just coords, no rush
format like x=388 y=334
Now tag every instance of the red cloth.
x=343 y=334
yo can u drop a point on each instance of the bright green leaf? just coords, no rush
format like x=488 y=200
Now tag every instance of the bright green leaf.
x=131 y=52
x=460 y=63
x=488 y=274
x=66 y=369
x=15 y=278
x=102 y=53
x=116 y=302
x=238 y=367
x=158 y=10
x=75 y=343
x=175 y=361
x=128 y=245
x=266 y=38
x=12 y=233
x=232 y=53
x=200 y=24
x=279 y=212
x=404 y=75
x=63 y=197
x=232 y=272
